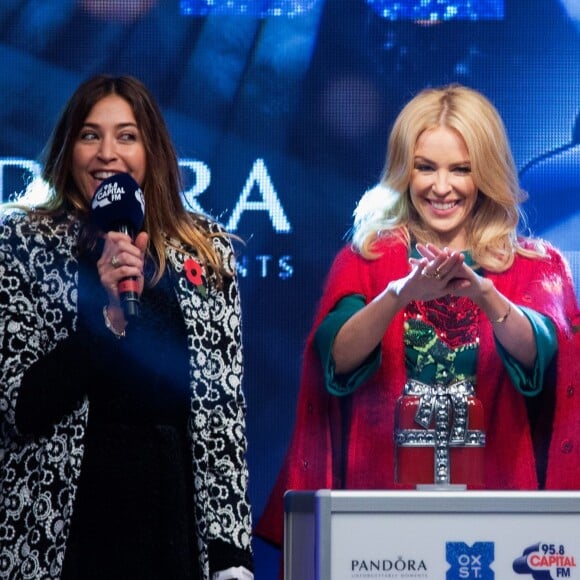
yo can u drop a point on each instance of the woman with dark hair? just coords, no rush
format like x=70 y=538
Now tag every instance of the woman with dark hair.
x=444 y=338
x=123 y=437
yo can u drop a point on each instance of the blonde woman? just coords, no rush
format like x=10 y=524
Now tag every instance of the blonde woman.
x=437 y=294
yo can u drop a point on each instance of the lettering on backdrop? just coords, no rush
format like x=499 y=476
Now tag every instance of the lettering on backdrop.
x=258 y=180
x=258 y=195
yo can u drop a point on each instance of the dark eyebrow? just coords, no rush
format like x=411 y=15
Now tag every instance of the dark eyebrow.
x=119 y=126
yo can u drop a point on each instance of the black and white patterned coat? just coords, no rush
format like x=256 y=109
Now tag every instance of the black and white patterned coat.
x=39 y=475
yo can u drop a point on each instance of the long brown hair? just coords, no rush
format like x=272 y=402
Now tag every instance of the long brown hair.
x=165 y=216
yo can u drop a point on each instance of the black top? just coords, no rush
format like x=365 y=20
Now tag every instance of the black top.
x=132 y=516
x=133 y=511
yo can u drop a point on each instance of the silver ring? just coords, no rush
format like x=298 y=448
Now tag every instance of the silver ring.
x=437 y=274
x=424 y=273
x=115 y=262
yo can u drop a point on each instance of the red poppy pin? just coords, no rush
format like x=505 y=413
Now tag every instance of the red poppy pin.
x=193 y=271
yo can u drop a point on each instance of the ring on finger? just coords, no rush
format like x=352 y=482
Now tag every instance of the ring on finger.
x=438 y=274
x=115 y=262
x=427 y=275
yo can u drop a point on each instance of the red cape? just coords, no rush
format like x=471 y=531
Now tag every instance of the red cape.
x=314 y=457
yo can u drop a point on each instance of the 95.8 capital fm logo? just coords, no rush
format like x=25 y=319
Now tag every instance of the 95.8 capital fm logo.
x=546 y=561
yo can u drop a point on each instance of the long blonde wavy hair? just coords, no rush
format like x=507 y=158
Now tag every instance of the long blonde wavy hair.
x=387 y=209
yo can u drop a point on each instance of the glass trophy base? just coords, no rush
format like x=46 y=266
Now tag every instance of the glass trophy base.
x=441 y=486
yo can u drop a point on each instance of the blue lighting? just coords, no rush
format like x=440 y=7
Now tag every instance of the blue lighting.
x=439 y=10
x=255 y=8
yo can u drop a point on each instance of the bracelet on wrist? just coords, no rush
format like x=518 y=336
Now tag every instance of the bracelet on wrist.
x=503 y=318
x=110 y=326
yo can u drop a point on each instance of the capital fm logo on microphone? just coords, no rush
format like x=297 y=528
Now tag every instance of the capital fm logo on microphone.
x=113 y=191
x=108 y=193
x=545 y=561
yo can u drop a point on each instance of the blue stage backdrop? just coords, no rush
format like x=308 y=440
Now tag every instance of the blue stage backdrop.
x=280 y=110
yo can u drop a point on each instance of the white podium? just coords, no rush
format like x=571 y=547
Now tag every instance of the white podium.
x=436 y=534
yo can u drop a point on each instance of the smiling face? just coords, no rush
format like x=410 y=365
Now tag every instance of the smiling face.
x=109 y=142
x=442 y=189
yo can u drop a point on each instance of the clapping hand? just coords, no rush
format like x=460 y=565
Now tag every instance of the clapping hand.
x=447 y=272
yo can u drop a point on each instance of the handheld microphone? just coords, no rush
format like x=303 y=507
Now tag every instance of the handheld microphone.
x=119 y=205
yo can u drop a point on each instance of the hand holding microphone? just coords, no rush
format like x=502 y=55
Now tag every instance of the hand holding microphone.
x=118 y=209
